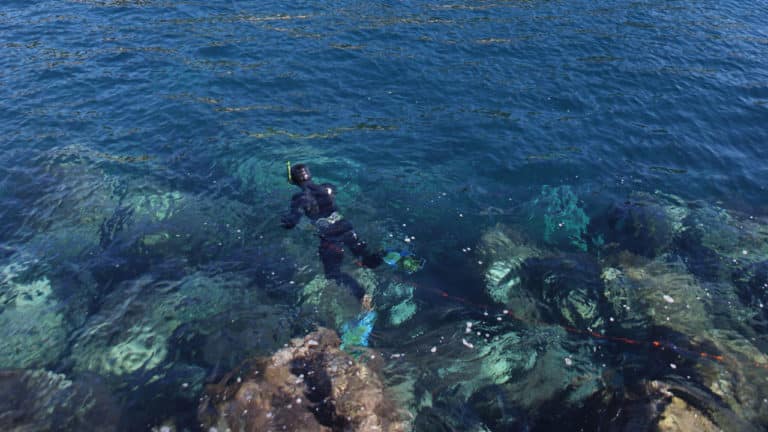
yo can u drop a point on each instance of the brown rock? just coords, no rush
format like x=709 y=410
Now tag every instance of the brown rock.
x=678 y=416
x=311 y=385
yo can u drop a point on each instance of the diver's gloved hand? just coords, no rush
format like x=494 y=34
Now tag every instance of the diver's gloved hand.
x=286 y=222
x=373 y=260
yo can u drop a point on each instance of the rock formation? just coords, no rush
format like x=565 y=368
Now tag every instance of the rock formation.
x=310 y=385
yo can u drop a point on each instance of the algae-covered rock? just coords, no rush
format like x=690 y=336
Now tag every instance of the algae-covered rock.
x=625 y=308
x=738 y=382
x=311 y=385
x=496 y=411
x=402 y=312
x=645 y=405
x=504 y=251
x=156 y=206
x=661 y=294
x=34 y=331
x=679 y=416
x=131 y=333
x=257 y=174
x=570 y=289
x=223 y=340
x=752 y=284
x=670 y=296
x=740 y=238
x=396 y=302
x=503 y=358
x=139 y=349
x=331 y=303
x=39 y=400
x=564 y=220
x=457 y=360
x=641 y=227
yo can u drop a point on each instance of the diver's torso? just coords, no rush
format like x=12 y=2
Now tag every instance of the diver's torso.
x=321 y=201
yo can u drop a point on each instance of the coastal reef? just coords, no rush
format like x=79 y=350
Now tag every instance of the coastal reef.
x=310 y=385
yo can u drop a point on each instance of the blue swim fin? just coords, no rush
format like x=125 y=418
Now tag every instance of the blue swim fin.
x=356 y=333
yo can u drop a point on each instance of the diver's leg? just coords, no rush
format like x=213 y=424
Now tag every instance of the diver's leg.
x=360 y=249
x=331 y=254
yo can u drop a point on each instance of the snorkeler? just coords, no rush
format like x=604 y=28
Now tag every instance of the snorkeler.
x=318 y=203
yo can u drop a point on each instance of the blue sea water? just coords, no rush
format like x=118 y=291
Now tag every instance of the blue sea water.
x=143 y=161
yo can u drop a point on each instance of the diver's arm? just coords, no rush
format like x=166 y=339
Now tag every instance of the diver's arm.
x=290 y=220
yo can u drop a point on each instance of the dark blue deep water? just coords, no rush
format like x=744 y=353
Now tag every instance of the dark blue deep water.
x=590 y=166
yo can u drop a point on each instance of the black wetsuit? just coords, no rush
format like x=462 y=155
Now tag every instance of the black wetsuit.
x=318 y=203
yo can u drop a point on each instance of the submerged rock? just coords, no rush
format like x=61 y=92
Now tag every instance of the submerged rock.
x=155 y=206
x=132 y=331
x=662 y=297
x=38 y=400
x=504 y=251
x=311 y=385
x=641 y=227
x=679 y=416
x=330 y=303
x=569 y=288
x=463 y=360
x=396 y=302
x=496 y=411
x=32 y=326
x=564 y=219
x=702 y=261
x=739 y=238
x=752 y=284
x=739 y=380
x=662 y=406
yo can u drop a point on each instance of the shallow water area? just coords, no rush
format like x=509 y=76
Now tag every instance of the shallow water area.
x=584 y=182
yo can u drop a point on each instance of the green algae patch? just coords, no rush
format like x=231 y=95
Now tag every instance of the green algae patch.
x=564 y=220
x=34 y=331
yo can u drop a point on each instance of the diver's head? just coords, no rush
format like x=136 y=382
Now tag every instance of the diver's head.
x=300 y=174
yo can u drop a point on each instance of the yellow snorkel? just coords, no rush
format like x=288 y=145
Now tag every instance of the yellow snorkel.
x=288 y=168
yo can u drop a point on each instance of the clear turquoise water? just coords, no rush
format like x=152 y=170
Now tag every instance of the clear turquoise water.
x=143 y=150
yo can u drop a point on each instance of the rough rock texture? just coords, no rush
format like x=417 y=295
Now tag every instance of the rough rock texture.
x=504 y=251
x=662 y=297
x=740 y=238
x=569 y=287
x=642 y=227
x=38 y=400
x=495 y=370
x=33 y=329
x=658 y=406
x=328 y=302
x=396 y=302
x=132 y=332
x=679 y=416
x=752 y=284
x=311 y=385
